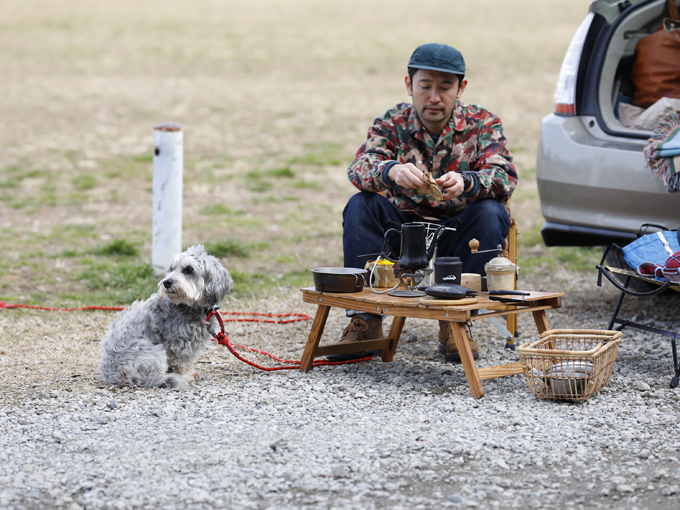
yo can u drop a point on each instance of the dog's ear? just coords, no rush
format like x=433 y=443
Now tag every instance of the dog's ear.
x=197 y=250
x=218 y=281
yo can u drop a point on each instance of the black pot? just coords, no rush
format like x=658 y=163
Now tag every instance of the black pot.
x=339 y=279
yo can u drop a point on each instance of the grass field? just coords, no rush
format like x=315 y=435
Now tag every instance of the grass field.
x=274 y=97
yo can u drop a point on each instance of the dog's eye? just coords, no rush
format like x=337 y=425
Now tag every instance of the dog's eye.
x=188 y=270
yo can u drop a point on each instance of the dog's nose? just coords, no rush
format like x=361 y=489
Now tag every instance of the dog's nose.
x=167 y=283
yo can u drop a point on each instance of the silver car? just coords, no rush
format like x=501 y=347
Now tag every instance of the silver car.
x=592 y=181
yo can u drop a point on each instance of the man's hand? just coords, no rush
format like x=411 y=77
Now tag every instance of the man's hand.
x=452 y=185
x=407 y=176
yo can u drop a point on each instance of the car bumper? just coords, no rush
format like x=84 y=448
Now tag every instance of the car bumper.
x=595 y=188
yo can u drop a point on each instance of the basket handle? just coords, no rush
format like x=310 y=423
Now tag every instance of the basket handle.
x=611 y=335
x=571 y=354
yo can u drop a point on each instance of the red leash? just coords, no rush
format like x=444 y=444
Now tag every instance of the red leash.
x=297 y=317
x=222 y=339
x=300 y=317
x=84 y=308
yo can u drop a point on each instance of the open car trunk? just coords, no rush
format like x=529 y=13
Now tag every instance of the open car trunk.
x=615 y=85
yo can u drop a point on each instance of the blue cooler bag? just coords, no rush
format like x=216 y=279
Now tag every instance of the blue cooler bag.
x=651 y=249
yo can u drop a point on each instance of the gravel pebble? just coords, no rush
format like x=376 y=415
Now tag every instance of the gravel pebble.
x=402 y=435
x=643 y=386
x=644 y=454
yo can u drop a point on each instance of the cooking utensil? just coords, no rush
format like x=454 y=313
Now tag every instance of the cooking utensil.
x=413 y=252
x=339 y=279
x=448 y=291
x=569 y=378
x=431 y=300
x=500 y=271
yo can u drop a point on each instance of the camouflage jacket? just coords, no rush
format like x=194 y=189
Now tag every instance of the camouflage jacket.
x=472 y=141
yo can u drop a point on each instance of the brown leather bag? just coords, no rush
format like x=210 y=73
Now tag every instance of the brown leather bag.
x=656 y=67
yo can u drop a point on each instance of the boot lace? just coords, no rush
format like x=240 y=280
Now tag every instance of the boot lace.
x=358 y=325
x=444 y=333
x=468 y=330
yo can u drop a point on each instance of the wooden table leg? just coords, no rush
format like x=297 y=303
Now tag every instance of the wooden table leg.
x=542 y=325
x=512 y=328
x=469 y=365
x=395 y=334
x=541 y=321
x=314 y=337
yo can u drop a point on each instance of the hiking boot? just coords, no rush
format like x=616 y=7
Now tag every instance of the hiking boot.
x=360 y=329
x=447 y=344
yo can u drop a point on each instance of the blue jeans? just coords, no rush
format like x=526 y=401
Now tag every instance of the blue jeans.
x=368 y=215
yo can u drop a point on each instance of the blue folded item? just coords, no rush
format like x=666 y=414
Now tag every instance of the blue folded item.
x=667 y=153
x=652 y=248
x=670 y=147
x=673 y=142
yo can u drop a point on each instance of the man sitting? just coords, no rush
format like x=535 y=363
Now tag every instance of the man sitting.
x=462 y=146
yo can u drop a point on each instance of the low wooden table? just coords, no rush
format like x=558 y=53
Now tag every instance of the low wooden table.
x=401 y=308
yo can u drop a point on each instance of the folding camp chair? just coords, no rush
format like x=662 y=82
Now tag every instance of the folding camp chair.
x=627 y=274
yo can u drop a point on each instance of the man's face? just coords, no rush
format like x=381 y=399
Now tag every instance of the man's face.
x=434 y=96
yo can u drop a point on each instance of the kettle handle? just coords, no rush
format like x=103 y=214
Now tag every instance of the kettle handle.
x=440 y=230
x=391 y=251
x=435 y=237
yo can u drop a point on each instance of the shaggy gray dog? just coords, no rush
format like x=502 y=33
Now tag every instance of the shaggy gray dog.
x=154 y=343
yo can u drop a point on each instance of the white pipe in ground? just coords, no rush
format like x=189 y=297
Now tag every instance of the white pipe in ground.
x=168 y=155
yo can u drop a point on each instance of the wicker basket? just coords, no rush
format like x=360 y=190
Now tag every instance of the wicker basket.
x=569 y=364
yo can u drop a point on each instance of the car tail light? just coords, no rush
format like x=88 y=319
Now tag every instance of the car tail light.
x=565 y=92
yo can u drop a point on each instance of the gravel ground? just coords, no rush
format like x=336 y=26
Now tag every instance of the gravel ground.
x=405 y=434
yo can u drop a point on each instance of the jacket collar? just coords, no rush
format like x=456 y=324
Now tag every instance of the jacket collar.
x=456 y=123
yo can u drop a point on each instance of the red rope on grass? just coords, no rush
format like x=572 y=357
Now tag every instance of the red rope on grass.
x=221 y=337
x=83 y=308
x=298 y=317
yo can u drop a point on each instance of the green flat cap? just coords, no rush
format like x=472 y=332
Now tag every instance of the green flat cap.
x=438 y=57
